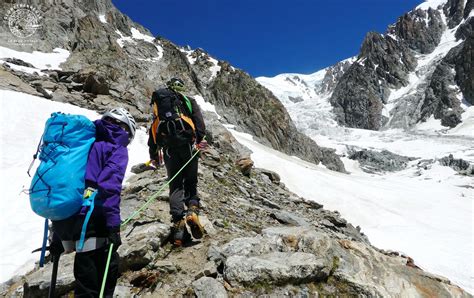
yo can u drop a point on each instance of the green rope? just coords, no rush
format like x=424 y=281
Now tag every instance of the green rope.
x=102 y=288
x=151 y=199
x=158 y=192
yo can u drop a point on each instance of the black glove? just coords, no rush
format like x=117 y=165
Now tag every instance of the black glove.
x=114 y=238
x=56 y=247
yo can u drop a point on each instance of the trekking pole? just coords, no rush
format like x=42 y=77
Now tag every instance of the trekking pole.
x=54 y=275
x=151 y=198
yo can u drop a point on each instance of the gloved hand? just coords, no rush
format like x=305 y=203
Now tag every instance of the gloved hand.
x=202 y=146
x=114 y=238
x=56 y=247
x=152 y=163
x=88 y=192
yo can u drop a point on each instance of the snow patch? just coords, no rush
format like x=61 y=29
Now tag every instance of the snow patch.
x=39 y=60
x=431 y=124
x=189 y=56
x=25 y=69
x=434 y=4
x=215 y=68
x=137 y=35
x=102 y=18
x=466 y=127
x=206 y=106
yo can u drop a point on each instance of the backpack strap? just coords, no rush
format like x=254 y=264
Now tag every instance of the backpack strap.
x=89 y=197
x=187 y=102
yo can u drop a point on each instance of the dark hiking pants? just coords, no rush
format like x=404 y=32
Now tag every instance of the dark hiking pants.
x=183 y=189
x=89 y=270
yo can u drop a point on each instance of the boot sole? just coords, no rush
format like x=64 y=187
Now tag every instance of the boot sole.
x=197 y=229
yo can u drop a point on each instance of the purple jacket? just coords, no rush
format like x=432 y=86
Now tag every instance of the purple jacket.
x=106 y=167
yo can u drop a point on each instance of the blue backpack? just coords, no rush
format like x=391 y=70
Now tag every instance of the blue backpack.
x=57 y=188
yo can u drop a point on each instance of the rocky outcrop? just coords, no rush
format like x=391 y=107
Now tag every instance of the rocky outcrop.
x=420 y=29
x=440 y=99
x=463 y=59
x=361 y=92
x=384 y=161
x=302 y=256
x=459 y=165
x=333 y=75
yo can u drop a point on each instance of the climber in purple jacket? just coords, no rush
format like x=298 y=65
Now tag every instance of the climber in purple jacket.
x=105 y=171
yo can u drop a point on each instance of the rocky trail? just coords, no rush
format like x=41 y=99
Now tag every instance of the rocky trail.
x=261 y=240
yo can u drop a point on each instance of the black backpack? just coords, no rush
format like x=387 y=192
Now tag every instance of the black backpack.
x=172 y=124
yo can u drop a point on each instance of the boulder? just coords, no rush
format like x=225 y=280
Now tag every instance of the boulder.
x=209 y=288
x=245 y=165
x=276 y=268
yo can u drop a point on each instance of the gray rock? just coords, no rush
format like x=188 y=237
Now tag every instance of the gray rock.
x=38 y=283
x=459 y=165
x=384 y=161
x=286 y=217
x=164 y=266
x=275 y=268
x=140 y=244
x=19 y=62
x=140 y=168
x=209 y=270
x=96 y=85
x=208 y=287
x=274 y=177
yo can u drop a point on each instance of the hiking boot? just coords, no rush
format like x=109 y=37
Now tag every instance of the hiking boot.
x=192 y=219
x=178 y=233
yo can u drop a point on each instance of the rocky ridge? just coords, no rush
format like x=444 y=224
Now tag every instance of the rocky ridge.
x=261 y=240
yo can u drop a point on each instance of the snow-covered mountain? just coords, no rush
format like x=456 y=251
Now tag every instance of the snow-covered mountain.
x=418 y=71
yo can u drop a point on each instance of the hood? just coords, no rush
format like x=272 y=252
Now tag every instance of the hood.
x=109 y=132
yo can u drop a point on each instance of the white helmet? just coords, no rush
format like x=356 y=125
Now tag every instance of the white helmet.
x=124 y=116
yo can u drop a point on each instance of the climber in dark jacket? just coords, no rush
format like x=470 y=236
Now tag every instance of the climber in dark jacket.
x=176 y=138
x=105 y=172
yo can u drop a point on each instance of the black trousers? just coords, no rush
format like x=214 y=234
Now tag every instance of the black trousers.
x=183 y=189
x=89 y=268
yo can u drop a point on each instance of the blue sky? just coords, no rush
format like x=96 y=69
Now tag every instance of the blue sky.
x=268 y=37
